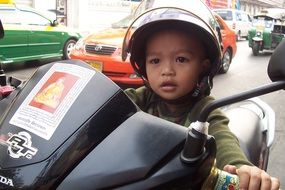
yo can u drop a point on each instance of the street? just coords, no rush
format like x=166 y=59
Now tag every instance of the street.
x=247 y=71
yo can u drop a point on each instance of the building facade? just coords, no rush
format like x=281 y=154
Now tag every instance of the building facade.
x=254 y=6
x=86 y=15
x=250 y=6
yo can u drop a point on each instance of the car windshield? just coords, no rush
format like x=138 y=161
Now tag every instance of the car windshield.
x=263 y=22
x=273 y=13
x=10 y=16
x=43 y=13
x=226 y=15
x=123 y=23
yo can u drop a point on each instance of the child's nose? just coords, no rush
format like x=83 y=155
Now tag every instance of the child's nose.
x=167 y=69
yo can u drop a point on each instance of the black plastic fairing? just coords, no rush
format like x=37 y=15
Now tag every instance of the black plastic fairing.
x=48 y=174
x=92 y=98
x=96 y=112
x=142 y=153
x=135 y=150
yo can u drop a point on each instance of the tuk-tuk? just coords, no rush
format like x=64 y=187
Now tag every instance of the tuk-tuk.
x=268 y=30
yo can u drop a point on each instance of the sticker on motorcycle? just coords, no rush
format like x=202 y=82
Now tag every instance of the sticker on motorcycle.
x=53 y=91
x=20 y=145
x=47 y=104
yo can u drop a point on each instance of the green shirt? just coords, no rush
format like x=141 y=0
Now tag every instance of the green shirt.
x=228 y=149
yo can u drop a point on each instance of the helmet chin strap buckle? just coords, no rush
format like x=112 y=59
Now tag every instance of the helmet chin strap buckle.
x=202 y=87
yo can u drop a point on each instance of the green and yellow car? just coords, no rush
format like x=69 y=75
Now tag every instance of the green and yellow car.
x=30 y=35
x=268 y=30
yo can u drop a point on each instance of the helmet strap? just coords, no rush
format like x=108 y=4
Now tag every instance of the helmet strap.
x=202 y=87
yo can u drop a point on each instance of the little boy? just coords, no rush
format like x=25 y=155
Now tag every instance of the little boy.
x=177 y=54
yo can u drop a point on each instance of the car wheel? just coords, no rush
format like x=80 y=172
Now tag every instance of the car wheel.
x=255 y=48
x=68 y=46
x=226 y=61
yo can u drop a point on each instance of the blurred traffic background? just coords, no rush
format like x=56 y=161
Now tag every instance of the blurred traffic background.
x=79 y=13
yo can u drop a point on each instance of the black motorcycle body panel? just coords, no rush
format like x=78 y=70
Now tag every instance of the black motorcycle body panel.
x=103 y=141
x=99 y=109
x=133 y=151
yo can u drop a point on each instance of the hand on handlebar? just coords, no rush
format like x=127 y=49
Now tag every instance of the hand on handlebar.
x=252 y=177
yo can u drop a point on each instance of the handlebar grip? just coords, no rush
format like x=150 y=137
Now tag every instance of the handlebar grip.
x=221 y=180
x=227 y=181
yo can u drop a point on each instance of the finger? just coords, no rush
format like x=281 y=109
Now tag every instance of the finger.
x=231 y=169
x=275 y=183
x=244 y=177
x=265 y=181
x=255 y=178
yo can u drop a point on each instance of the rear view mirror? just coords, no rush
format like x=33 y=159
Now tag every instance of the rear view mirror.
x=1 y=30
x=276 y=66
x=54 y=23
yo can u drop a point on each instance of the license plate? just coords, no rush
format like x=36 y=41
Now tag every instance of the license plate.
x=97 y=65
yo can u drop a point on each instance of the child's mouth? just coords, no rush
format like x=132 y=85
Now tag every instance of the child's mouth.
x=168 y=86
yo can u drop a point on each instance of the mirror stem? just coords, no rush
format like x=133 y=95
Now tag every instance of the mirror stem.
x=265 y=89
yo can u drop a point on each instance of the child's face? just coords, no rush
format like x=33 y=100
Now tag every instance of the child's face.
x=174 y=61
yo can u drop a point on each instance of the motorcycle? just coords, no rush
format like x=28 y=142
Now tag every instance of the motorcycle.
x=70 y=127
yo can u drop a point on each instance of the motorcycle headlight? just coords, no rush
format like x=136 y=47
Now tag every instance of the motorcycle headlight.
x=258 y=33
x=79 y=45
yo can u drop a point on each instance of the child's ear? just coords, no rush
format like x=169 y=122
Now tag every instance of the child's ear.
x=206 y=64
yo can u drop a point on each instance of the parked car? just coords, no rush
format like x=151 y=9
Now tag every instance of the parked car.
x=239 y=21
x=102 y=50
x=228 y=44
x=30 y=35
x=268 y=30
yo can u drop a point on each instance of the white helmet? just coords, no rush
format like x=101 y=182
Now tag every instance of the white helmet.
x=187 y=15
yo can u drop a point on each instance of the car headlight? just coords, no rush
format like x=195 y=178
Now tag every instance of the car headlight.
x=80 y=44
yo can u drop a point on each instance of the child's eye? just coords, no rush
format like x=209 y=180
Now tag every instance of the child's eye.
x=181 y=59
x=154 y=61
